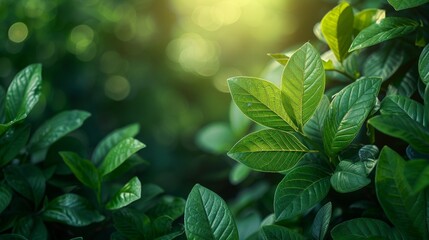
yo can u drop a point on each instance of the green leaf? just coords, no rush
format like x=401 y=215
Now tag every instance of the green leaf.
x=131 y=224
x=403 y=127
x=73 y=210
x=367 y=17
x=384 y=62
x=129 y=193
x=119 y=154
x=207 y=216
x=301 y=189
x=337 y=28
x=275 y=232
x=23 y=92
x=239 y=122
x=239 y=173
x=303 y=84
x=349 y=177
x=111 y=140
x=404 y=4
x=365 y=228
x=12 y=237
x=173 y=207
x=401 y=105
x=424 y=65
x=269 y=150
x=83 y=169
x=383 y=30
x=5 y=197
x=216 y=138
x=280 y=58
x=406 y=85
x=12 y=143
x=31 y=227
x=27 y=180
x=402 y=208
x=313 y=129
x=129 y=166
x=2 y=103
x=56 y=128
x=321 y=222
x=347 y=113
x=260 y=100
x=417 y=174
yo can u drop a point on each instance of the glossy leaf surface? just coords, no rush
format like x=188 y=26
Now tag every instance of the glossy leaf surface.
x=349 y=177
x=321 y=222
x=424 y=65
x=83 y=169
x=129 y=193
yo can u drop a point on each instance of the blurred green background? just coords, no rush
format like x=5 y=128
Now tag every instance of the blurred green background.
x=161 y=63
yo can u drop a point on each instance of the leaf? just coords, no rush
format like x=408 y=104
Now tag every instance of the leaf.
x=173 y=207
x=239 y=173
x=83 y=169
x=405 y=86
x=5 y=197
x=364 y=228
x=129 y=193
x=313 y=129
x=269 y=150
x=402 y=208
x=303 y=84
x=384 y=62
x=403 y=127
x=73 y=210
x=207 y=216
x=424 y=65
x=337 y=28
x=216 y=138
x=23 y=92
x=2 y=103
x=349 y=177
x=416 y=172
x=383 y=30
x=12 y=143
x=129 y=166
x=31 y=227
x=239 y=122
x=111 y=140
x=131 y=224
x=301 y=189
x=27 y=180
x=273 y=232
x=260 y=100
x=401 y=105
x=347 y=113
x=404 y=4
x=367 y=17
x=321 y=222
x=119 y=154
x=56 y=128
x=280 y=58
x=426 y=107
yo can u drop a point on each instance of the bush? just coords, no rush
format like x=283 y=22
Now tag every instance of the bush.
x=347 y=130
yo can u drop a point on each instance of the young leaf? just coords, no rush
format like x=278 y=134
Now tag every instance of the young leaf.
x=275 y=232
x=301 y=189
x=402 y=208
x=119 y=154
x=337 y=28
x=347 y=113
x=424 y=65
x=5 y=197
x=269 y=150
x=260 y=100
x=83 y=169
x=404 y=4
x=27 y=180
x=384 y=62
x=401 y=105
x=321 y=222
x=417 y=174
x=303 y=84
x=131 y=224
x=56 y=128
x=386 y=29
x=111 y=140
x=313 y=129
x=129 y=193
x=12 y=143
x=207 y=216
x=367 y=17
x=23 y=93
x=349 y=177
x=73 y=210
x=365 y=228
x=403 y=127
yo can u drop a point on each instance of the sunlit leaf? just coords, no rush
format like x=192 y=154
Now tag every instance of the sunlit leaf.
x=365 y=228
x=280 y=58
x=404 y=4
x=367 y=17
x=260 y=100
x=349 y=177
x=129 y=193
x=73 y=210
x=275 y=232
x=301 y=189
x=424 y=65
x=83 y=169
x=383 y=30
x=207 y=216
x=269 y=150
x=337 y=28
x=347 y=113
x=57 y=127
x=384 y=62
x=321 y=222
x=402 y=208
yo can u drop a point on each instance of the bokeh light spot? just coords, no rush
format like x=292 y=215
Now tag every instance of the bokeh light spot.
x=18 y=32
x=117 y=88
